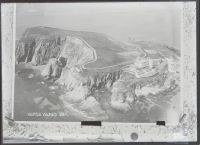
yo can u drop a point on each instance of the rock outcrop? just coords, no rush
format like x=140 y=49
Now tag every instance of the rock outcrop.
x=72 y=78
x=39 y=44
x=87 y=55
x=102 y=79
x=123 y=95
x=38 y=52
x=53 y=69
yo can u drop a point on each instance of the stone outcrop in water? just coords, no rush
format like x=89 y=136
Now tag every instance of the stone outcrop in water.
x=53 y=69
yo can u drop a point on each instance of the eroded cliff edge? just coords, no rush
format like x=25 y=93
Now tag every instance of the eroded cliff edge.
x=109 y=73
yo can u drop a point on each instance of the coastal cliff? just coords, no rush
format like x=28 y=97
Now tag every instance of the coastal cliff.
x=94 y=79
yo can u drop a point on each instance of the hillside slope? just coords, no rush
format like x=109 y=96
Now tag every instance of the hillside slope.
x=38 y=44
x=102 y=80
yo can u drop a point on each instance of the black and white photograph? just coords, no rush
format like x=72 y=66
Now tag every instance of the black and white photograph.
x=95 y=61
x=128 y=70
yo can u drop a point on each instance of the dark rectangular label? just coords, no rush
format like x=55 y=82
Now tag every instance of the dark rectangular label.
x=91 y=123
x=160 y=123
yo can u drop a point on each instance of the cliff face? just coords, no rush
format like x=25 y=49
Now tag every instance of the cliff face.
x=71 y=79
x=39 y=51
x=95 y=50
x=125 y=88
x=93 y=65
x=103 y=79
x=39 y=44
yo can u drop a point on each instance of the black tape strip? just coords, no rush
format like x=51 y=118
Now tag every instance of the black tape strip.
x=182 y=118
x=160 y=123
x=91 y=123
x=9 y=119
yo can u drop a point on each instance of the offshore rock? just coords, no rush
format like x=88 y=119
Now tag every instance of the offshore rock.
x=123 y=95
x=77 y=95
x=52 y=69
x=92 y=107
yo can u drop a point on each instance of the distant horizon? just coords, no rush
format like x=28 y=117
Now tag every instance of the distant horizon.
x=154 y=22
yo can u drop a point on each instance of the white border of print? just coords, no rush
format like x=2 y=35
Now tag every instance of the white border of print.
x=186 y=130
